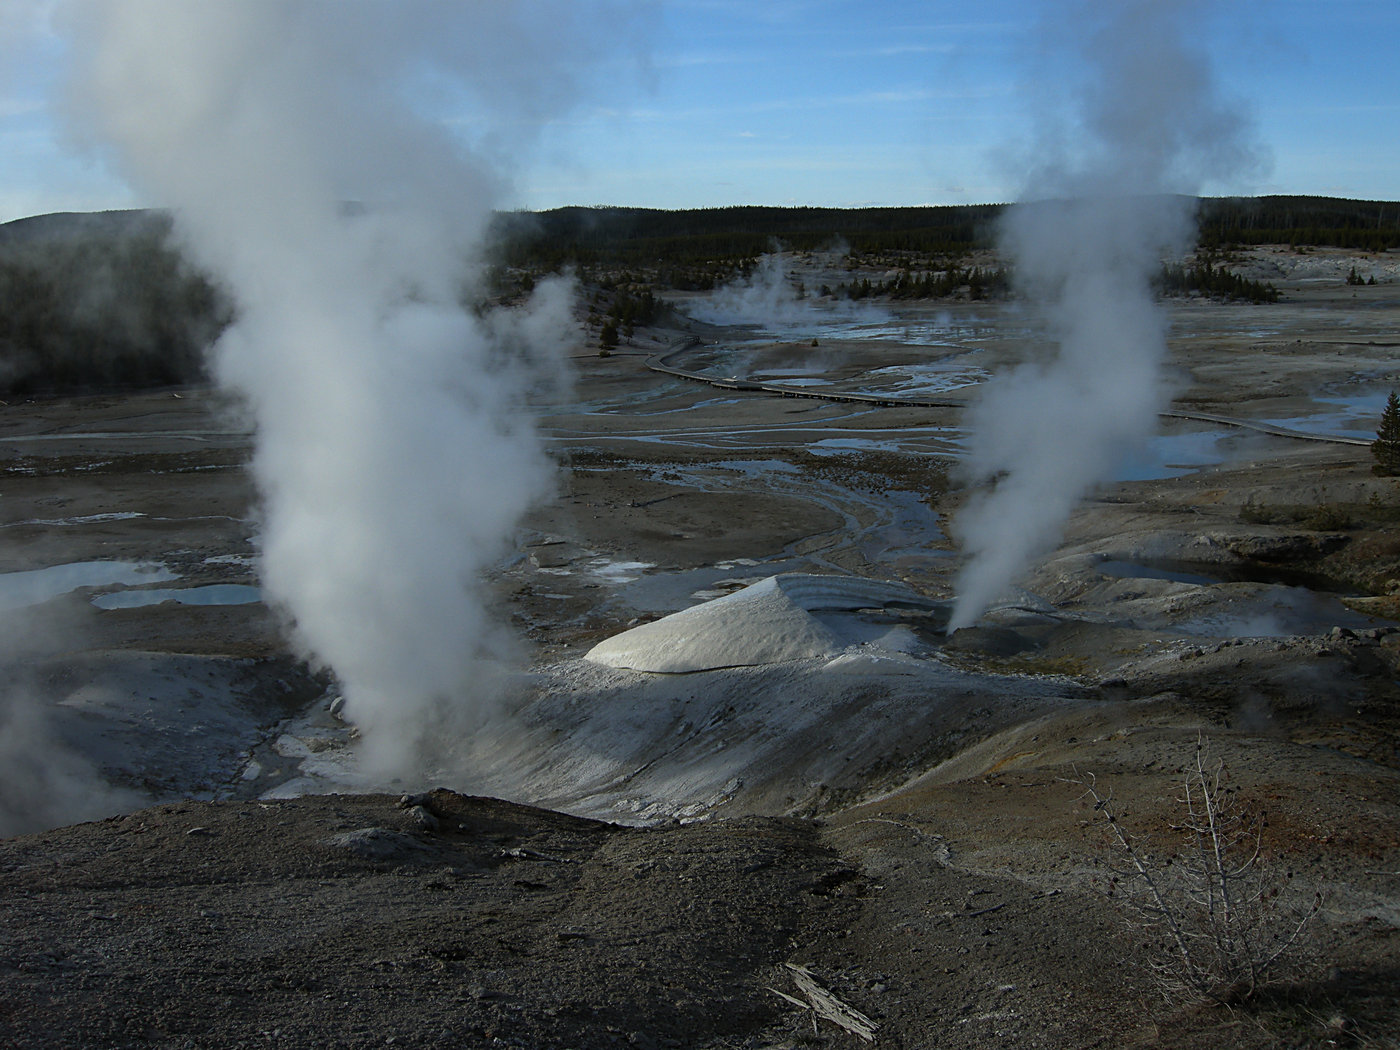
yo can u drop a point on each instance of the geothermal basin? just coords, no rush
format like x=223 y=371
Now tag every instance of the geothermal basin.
x=681 y=496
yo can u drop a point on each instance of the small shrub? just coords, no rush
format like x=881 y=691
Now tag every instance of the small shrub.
x=1218 y=929
x=1328 y=517
x=1252 y=513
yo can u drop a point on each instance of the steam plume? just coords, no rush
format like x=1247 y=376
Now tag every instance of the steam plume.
x=392 y=458
x=43 y=780
x=768 y=297
x=1101 y=212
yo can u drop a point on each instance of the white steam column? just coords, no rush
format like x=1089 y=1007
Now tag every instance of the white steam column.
x=1141 y=125
x=392 y=457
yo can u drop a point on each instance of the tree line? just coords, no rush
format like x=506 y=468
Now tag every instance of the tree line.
x=659 y=238
x=1315 y=221
x=1202 y=276
x=974 y=281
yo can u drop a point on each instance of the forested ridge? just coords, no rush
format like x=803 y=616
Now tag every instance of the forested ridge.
x=625 y=236
x=1319 y=221
x=105 y=300
x=652 y=235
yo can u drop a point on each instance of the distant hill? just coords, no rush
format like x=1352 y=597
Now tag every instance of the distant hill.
x=649 y=236
x=80 y=225
x=643 y=236
x=1320 y=221
x=101 y=301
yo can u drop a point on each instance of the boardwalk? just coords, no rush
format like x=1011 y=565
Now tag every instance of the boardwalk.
x=664 y=363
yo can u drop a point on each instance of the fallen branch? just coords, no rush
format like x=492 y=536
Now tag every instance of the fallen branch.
x=823 y=1004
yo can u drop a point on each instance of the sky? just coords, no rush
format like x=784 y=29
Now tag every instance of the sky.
x=841 y=103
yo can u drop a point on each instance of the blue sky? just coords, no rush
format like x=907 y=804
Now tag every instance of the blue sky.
x=847 y=103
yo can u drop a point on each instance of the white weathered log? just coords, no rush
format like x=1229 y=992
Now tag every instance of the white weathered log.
x=826 y=1005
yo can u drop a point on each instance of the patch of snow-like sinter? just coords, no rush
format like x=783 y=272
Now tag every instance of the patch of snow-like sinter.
x=775 y=620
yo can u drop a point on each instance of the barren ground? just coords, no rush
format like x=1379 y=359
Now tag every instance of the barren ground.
x=929 y=857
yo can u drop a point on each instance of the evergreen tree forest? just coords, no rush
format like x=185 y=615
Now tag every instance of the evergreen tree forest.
x=1203 y=276
x=683 y=240
x=1372 y=226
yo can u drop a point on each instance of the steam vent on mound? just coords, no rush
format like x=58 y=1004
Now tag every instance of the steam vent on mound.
x=788 y=617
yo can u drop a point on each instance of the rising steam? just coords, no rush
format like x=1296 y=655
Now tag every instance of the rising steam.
x=302 y=145
x=1100 y=214
x=44 y=779
x=770 y=298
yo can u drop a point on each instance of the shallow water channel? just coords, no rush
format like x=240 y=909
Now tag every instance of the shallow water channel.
x=123 y=585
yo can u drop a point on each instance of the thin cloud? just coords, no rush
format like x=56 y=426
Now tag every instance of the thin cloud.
x=1350 y=107
x=891 y=98
x=700 y=59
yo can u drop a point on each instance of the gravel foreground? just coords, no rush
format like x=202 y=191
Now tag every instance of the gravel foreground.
x=947 y=915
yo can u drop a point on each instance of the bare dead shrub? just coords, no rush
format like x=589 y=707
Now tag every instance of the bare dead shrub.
x=1219 y=927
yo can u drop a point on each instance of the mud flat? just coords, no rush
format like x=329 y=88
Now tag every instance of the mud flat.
x=898 y=810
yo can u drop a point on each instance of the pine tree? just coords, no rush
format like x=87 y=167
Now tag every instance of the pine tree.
x=607 y=339
x=1386 y=447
